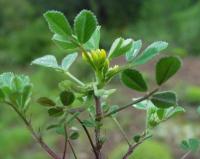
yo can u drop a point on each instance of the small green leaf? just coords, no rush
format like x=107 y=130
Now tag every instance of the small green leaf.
x=93 y=42
x=64 y=43
x=194 y=144
x=52 y=126
x=137 y=138
x=172 y=111
x=68 y=60
x=89 y=123
x=136 y=46
x=67 y=98
x=74 y=135
x=134 y=80
x=27 y=91
x=46 y=102
x=84 y=25
x=58 y=23
x=164 y=99
x=55 y=112
x=2 y=96
x=119 y=47
x=143 y=105
x=151 y=51
x=160 y=113
x=191 y=144
x=166 y=68
x=47 y=61
x=71 y=118
x=184 y=145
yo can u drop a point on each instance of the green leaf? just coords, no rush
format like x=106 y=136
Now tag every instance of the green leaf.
x=191 y=144
x=74 y=134
x=194 y=144
x=89 y=123
x=2 y=96
x=46 y=102
x=136 y=138
x=184 y=145
x=46 y=61
x=164 y=99
x=93 y=42
x=84 y=25
x=161 y=113
x=27 y=92
x=151 y=51
x=143 y=105
x=68 y=60
x=55 y=112
x=58 y=23
x=52 y=126
x=119 y=47
x=172 y=111
x=134 y=80
x=67 y=98
x=166 y=68
x=6 y=79
x=64 y=43
x=136 y=46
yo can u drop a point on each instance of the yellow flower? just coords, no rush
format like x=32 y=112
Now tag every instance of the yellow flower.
x=97 y=58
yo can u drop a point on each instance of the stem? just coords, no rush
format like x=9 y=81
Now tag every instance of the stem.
x=65 y=146
x=122 y=131
x=88 y=135
x=73 y=151
x=97 y=128
x=35 y=136
x=185 y=155
x=133 y=147
x=134 y=102
x=73 y=78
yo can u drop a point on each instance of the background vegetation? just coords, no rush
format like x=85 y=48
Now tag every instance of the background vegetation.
x=24 y=35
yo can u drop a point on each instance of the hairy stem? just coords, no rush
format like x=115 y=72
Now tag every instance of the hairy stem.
x=97 y=128
x=34 y=134
x=133 y=147
x=122 y=131
x=134 y=102
x=88 y=135
x=65 y=146
x=73 y=151
x=73 y=78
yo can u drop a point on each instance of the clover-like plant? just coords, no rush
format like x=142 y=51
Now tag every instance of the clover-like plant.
x=87 y=103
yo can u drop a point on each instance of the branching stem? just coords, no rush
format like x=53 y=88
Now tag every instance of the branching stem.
x=34 y=134
x=130 y=104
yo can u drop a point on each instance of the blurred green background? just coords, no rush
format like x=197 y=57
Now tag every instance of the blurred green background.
x=24 y=36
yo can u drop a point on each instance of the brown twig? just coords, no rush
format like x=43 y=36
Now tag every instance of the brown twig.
x=35 y=136
x=133 y=147
x=65 y=146
x=88 y=135
x=73 y=151
x=130 y=104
